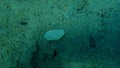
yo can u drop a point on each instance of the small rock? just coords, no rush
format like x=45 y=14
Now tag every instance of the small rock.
x=54 y=34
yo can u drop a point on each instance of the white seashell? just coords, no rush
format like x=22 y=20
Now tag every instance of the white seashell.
x=54 y=34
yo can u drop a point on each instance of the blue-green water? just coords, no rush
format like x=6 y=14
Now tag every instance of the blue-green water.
x=91 y=39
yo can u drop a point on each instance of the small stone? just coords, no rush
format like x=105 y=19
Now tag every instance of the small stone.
x=54 y=34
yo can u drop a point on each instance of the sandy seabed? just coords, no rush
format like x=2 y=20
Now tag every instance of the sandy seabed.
x=91 y=40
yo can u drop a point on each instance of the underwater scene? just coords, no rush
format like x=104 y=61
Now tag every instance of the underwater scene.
x=59 y=33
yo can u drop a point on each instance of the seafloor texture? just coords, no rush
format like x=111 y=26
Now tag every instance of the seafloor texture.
x=91 y=40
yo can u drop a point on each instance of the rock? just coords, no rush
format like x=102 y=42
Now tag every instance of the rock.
x=54 y=34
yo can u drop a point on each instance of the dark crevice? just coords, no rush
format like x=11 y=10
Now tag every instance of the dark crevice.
x=92 y=42
x=34 y=63
x=54 y=54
